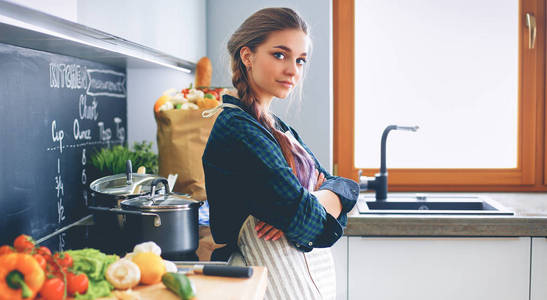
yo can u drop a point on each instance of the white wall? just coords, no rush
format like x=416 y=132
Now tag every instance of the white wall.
x=174 y=27
x=314 y=120
x=66 y=9
x=144 y=86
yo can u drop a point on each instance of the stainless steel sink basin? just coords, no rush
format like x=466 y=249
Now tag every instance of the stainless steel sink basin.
x=438 y=204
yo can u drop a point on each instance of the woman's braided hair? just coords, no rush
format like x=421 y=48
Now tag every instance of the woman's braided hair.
x=252 y=33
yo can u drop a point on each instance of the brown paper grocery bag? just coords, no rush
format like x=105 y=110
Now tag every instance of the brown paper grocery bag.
x=182 y=136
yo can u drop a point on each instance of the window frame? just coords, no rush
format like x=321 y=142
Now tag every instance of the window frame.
x=529 y=175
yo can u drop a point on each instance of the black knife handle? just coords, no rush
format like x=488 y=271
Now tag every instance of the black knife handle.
x=229 y=271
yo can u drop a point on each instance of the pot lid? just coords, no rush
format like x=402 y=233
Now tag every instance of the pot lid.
x=118 y=185
x=169 y=201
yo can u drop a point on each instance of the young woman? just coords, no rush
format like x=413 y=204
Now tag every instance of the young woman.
x=269 y=197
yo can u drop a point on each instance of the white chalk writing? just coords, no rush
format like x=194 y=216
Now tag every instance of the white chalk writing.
x=84 y=177
x=86 y=111
x=62 y=241
x=67 y=76
x=57 y=136
x=60 y=193
x=104 y=134
x=120 y=131
x=80 y=134
x=106 y=83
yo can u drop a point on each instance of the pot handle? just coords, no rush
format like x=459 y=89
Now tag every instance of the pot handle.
x=129 y=172
x=119 y=211
x=153 y=185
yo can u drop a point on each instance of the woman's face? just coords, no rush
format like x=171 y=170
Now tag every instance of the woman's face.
x=277 y=64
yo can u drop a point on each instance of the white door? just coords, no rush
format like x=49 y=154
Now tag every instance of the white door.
x=538 y=289
x=439 y=268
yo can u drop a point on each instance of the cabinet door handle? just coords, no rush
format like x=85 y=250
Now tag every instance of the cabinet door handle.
x=531 y=24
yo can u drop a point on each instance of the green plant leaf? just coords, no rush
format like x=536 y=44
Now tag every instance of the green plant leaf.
x=112 y=160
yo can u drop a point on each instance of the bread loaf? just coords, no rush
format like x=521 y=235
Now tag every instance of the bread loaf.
x=204 y=71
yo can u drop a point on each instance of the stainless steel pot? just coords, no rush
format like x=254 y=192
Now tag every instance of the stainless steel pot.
x=109 y=191
x=168 y=219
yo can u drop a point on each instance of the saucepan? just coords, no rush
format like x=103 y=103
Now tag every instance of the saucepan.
x=109 y=191
x=168 y=219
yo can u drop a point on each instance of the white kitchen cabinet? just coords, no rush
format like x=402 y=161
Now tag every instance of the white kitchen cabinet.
x=340 y=255
x=538 y=286
x=439 y=268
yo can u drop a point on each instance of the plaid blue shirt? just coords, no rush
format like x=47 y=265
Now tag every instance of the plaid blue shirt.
x=246 y=174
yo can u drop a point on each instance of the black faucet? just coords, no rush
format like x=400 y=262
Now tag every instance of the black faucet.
x=378 y=183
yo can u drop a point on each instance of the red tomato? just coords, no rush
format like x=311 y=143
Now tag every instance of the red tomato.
x=52 y=270
x=63 y=259
x=44 y=251
x=23 y=243
x=76 y=283
x=6 y=249
x=41 y=261
x=53 y=289
x=214 y=93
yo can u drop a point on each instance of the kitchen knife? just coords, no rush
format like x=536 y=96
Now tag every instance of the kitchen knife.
x=218 y=270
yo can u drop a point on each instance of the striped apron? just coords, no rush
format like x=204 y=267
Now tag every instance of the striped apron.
x=293 y=274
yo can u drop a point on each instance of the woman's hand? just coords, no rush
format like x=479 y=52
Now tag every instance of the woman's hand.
x=268 y=231
x=320 y=180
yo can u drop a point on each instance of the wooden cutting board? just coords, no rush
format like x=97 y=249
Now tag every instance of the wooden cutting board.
x=212 y=287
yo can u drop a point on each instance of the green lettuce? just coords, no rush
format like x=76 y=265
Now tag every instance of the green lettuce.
x=93 y=263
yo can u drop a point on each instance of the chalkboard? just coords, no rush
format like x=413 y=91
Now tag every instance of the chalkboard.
x=56 y=112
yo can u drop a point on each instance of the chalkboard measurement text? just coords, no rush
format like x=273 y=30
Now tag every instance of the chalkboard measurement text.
x=120 y=131
x=67 y=76
x=84 y=144
x=57 y=135
x=84 y=177
x=104 y=134
x=58 y=181
x=62 y=241
x=86 y=111
x=60 y=193
x=80 y=134
x=106 y=83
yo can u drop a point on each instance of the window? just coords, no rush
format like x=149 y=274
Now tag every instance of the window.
x=463 y=71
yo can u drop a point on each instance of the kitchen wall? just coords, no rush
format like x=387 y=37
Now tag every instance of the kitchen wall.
x=174 y=27
x=190 y=29
x=177 y=28
x=313 y=119
x=66 y=9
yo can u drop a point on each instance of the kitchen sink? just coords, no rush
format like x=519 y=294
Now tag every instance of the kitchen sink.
x=438 y=204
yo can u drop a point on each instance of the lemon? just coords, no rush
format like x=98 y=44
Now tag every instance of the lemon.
x=151 y=266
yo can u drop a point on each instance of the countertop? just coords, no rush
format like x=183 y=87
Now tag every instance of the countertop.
x=208 y=288
x=530 y=219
